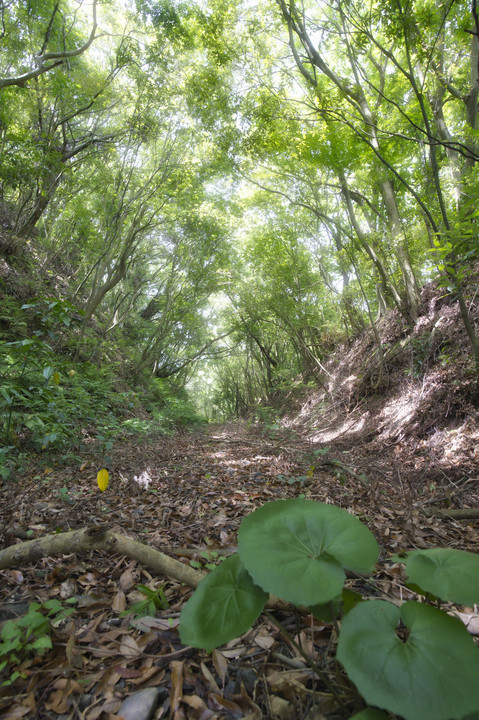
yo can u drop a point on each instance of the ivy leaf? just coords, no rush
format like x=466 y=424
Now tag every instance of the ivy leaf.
x=430 y=675
x=224 y=605
x=298 y=549
x=452 y=575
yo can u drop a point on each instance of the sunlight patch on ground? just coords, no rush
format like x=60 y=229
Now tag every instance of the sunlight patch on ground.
x=398 y=412
x=236 y=465
x=389 y=422
x=348 y=426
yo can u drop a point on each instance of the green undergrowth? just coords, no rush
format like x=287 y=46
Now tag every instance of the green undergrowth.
x=30 y=635
x=52 y=403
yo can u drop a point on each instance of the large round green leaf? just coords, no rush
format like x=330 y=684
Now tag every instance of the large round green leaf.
x=224 y=605
x=370 y=714
x=297 y=549
x=431 y=675
x=451 y=575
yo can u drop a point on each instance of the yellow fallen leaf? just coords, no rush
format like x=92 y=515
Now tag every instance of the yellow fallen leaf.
x=102 y=479
x=56 y=378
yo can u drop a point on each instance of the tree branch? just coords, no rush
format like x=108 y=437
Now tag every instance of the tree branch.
x=98 y=538
x=47 y=61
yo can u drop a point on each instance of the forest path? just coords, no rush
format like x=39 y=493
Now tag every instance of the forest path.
x=185 y=496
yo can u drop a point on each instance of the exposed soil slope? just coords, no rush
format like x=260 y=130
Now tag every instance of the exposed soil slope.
x=419 y=418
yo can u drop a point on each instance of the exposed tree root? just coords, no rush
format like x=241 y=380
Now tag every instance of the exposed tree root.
x=99 y=537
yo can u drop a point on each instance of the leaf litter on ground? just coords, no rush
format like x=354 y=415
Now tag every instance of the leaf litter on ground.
x=200 y=486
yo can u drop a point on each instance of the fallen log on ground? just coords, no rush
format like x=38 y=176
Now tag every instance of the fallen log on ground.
x=99 y=537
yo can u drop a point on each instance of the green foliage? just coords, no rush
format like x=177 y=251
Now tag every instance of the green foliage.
x=370 y=714
x=305 y=549
x=29 y=635
x=32 y=373
x=430 y=672
x=229 y=603
x=212 y=557
x=154 y=600
x=169 y=404
x=414 y=660
x=48 y=401
x=421 y=350
x=179 y=412
x=452 y=575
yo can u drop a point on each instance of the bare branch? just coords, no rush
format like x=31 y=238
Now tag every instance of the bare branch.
x=47 y=61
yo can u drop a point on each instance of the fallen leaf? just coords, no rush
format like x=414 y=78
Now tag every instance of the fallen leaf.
x=127 y=673
x=221 y=664
x=280 y=708
x=129 y=647
x=210 y=679
x=102 y=479
x=119 y=602
x=127 y=580
x=176 y=692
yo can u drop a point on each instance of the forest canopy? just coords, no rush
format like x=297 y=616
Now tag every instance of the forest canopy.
x=198 y=201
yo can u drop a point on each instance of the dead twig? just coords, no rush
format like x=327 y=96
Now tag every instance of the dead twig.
x=336 y=463
x=463 y=514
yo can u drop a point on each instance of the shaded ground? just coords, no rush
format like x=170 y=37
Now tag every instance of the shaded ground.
x=385 y=446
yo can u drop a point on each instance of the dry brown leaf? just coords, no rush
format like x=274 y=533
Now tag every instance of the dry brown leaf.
x=265 y=642
x=118 y=604
x=107 y=682
x=127 y=673
x=73 y=658
x=127 y=580
x=110 y=707
x=68 y=589
x=195 y=702
x=304 y=640
x=221 y=664
x=289 y=682
x=213 y=685
x=129 y=647
x=280 y=708
x=470 y=620
x=249 y=708
x=153 y=676
x=233 y=708
x=147 y=623
x=26 y=709
x=58 y=700
x=176 y=692
x=235 y=649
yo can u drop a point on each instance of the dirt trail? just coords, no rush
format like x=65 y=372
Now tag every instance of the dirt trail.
x=186 y=496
